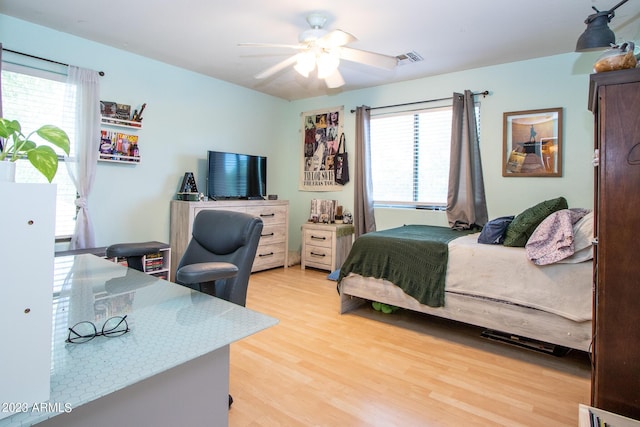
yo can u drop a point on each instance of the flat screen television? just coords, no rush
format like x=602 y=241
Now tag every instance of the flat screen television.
x=236 y=176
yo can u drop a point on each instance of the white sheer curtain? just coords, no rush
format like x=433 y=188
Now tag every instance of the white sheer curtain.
x=83 y=91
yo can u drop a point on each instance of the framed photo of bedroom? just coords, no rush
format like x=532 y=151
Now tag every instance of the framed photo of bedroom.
x=532 y=143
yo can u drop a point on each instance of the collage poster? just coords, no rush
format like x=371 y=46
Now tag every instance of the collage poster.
x=321 y=131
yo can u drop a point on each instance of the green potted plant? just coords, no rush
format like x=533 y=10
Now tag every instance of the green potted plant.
x=16 y=145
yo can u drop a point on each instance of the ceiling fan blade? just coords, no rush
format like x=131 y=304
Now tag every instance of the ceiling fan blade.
x=336 y=38
x=334 y=80
x=369 y=58
x=288 y=46
x=278 y=67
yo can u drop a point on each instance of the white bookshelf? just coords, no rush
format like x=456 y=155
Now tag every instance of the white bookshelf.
x=608 y=419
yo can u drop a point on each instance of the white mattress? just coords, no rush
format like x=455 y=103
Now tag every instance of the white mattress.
x=505 y=273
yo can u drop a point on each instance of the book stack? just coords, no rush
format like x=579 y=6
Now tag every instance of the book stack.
x=154 y=262
x=323 y=211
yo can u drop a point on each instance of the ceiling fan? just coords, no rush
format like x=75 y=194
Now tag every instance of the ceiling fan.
x=322 y=49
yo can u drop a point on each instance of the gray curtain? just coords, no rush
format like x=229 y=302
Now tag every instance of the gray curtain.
x=363 y=217
x=466 y=202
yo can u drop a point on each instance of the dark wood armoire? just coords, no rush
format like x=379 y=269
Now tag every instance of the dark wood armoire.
x=614 y=99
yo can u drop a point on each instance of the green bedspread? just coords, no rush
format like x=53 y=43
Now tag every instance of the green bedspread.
x=413 y=257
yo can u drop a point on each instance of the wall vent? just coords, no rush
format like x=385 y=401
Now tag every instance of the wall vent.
x=409 y=57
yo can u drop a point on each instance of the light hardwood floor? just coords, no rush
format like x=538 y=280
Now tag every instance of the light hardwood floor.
x=365 y=368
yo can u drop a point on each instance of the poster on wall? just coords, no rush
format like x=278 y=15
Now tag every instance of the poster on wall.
x=321 y=130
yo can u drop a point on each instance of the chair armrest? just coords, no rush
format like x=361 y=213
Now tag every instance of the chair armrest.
x=133 y=249
x=205 y=272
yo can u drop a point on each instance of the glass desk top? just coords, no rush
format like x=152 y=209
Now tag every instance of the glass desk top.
x=169 y=325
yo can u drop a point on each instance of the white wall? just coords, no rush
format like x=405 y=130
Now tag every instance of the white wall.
x=188 y=113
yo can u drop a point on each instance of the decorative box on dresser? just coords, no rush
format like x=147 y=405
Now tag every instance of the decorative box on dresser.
x=274 y=241
x=325 y=246
x=614 y=99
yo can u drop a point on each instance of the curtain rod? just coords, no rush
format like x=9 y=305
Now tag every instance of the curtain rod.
x=42 y=59
x=483 y=93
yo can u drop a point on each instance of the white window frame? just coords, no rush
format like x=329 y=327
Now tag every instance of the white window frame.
x=66 y=211
x=380 y=160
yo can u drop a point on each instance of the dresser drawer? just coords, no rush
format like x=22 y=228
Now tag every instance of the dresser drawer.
x=321 y=238
x=273 y=234
x=269 y=256
x=269 y=214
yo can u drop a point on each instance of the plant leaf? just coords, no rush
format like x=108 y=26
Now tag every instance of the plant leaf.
x=25 y=146
x=56 y=136
x=45 y=160
x=7 y=127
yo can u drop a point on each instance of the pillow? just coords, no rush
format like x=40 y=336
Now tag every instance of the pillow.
x=582 y=238
x=493 y=231
x=553 y=240
x=524 y=224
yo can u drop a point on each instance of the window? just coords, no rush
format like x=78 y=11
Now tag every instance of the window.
x=36 y=97
x=410 y=157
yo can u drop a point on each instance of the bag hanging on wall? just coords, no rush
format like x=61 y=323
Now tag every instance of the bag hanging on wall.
x=341 y=163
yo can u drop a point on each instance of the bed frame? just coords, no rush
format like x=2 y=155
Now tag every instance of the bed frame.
x=513 y=319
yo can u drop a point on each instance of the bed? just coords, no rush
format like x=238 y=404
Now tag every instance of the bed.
x=488 y=285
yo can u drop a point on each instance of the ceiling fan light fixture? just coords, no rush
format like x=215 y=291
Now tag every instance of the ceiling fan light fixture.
x=328 y=63
x=305 y=64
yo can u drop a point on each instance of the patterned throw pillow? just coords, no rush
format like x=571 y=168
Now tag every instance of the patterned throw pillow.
x=524 y=224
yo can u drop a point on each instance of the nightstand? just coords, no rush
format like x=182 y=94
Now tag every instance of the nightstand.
x=325 y=246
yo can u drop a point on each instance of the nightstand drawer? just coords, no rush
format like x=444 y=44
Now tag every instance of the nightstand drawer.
x=316 y=256
x=323 y=238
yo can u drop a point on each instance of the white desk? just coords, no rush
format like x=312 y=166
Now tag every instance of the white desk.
x=172 y=368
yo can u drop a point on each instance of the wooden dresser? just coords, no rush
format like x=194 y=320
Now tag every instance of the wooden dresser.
x=614 y=99
x=274 y=241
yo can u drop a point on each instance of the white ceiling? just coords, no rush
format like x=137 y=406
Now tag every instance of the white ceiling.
x=450 y=35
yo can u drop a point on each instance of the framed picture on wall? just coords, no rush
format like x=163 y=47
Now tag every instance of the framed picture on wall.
x=532 y=143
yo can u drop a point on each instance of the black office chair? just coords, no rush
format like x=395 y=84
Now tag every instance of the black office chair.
x=220 y=254
x=218 y=258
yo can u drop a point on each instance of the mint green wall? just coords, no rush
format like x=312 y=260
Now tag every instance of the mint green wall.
x=557 y=81
x=188 y=113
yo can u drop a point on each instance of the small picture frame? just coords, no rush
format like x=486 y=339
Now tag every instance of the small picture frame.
x=532 y=143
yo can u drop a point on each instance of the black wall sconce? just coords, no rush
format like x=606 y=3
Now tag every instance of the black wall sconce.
x=598 y=35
